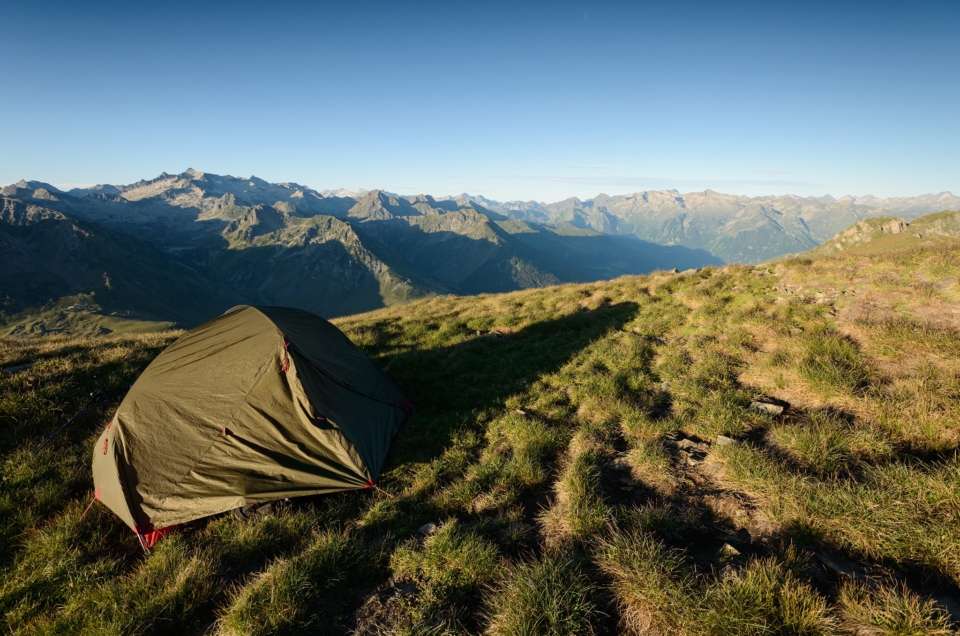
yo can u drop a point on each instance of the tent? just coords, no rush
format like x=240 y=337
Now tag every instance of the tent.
x=260 y=404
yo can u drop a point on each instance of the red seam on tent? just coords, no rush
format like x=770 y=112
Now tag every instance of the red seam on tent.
x=104 y=445
x=96 y=494
x=149 y=536
x=224 y=432
x=406 y=407
x=370 y=484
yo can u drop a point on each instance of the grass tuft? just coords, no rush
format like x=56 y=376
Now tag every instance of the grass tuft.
x=298 y=594
x=550 y=596
x=828 y=445
x=832 y=363
x=890 y=611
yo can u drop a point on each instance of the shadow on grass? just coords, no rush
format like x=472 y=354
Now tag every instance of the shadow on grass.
x=450 y=385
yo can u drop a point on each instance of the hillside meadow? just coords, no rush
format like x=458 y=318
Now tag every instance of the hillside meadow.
x=762 y=449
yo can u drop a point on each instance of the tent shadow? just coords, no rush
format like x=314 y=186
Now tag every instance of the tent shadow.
x=450 y=386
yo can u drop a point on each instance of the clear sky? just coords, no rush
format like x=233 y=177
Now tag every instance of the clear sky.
x=511 y=100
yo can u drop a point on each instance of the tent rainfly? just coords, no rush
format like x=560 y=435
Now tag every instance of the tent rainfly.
x=259 y=404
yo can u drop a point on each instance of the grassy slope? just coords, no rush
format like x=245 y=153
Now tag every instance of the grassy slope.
x=566 y=445
x=871 y=236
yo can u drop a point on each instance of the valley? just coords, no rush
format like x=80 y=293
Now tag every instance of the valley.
x=180 y=249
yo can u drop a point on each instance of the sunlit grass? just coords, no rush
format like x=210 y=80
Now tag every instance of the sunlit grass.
x=553 y=449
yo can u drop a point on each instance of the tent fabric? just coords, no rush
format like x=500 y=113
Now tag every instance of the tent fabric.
x=259 y=404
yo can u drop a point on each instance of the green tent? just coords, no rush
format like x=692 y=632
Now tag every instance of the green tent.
x=259 y=404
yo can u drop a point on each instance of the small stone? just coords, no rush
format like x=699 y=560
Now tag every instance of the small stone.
x=427 y=528
x=686 y=444
x=952 y=606
x=729 y=573
x=742 y=536
x=18 y=368
x=839 y=566
x=696 y=459
x=673 y=271
x=520 y=412
x=404 y=589
x=728 y=550
x=723 y=440
x=665 y=386
x=795 y=331
x=766 y=407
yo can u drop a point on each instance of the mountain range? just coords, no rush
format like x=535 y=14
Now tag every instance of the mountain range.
x=180 y=249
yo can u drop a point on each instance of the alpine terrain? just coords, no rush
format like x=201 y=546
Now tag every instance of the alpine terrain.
x=181 y=249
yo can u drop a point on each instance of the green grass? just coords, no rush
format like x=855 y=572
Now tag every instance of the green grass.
x=826 y=444
x=550 y=596
x=890 y=611
x=832 y=363
x=657 y=594
x=901 y=512
x=301 y=593
x=449 y=569
x=552 y=448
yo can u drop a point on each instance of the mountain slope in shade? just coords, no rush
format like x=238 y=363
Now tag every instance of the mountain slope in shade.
x=207 y=241
x=57 y=272
x=180 y=249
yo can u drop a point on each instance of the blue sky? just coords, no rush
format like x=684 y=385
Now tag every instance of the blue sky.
x=511 y=100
